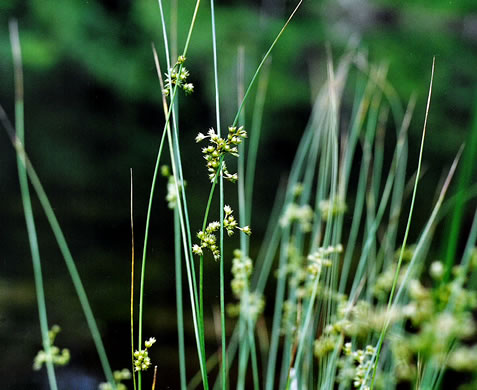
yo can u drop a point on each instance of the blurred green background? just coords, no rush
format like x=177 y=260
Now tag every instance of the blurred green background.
x=93 y=110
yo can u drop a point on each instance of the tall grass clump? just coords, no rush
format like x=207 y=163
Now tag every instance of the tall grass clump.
x=337 y=296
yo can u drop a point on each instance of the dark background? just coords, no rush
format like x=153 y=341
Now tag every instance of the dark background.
x=92 y=111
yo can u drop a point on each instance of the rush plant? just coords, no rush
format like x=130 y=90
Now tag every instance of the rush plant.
x=336 y=296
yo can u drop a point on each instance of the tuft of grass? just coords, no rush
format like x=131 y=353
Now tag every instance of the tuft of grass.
x=344 y=285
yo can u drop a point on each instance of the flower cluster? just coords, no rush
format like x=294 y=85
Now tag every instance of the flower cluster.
x=218 y=148
x=142 y=361
x=383 y=284
x=230 y=224
x=330 y=208
x=251 y=304
x=325 y=344
x=289 y=317
x=172 y=194
x=320 y=258
x=178 y=76
x=242 y=268
x=440 y=316
x=119 y=376
x=363 y=359
x=301 y=214
x=57 y=357
x=209 y=240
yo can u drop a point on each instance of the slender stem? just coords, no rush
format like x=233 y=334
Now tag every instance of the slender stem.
x=277 y=313
x=221 y=212
x=254 y=139
x=418 y=175
x=62 y=245
x=26 y=199
x=265 y=57
x=132 y=282
x=244 y=346
x=408 y=225
x=154 y=378
x=146 y=236
x=153 y=184
x=181 y=200
x=253 y=353
x=180 y=310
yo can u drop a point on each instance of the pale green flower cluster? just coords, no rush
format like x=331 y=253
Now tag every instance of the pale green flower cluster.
x=250 y=304
x=463 y=359
x=332 y=207
x=178 y=76
x=172 y=194
x=57 y=357
x=293 y=269
x=321 y=258
x=383 y=284
x=242 y=268
x=209 y=240
x=218 y=148
x=356 y=364
x=325 y=344
x=302 y=278
x=365 y=318
x=301 y=214
x=142 y=361
x=119 y=376
x=230 y=224
x=289 y=318
x=439 y=315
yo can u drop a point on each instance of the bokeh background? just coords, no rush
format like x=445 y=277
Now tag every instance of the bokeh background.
x=93 y=110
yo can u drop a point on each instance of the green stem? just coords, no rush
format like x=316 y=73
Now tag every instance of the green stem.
x=221 y=212
x=132 y=285
x=264 y=60
x=180 y=315
x=181 y=201
x=408 y=225
x=26 y=200
x=63 y=246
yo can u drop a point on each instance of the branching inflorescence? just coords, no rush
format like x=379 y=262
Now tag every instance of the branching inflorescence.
x=142 y=361
x=209 y=240
x=57 y=357
x=178 y=76
x=218 y=148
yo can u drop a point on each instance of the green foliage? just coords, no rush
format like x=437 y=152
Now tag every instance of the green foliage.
x=345 y=312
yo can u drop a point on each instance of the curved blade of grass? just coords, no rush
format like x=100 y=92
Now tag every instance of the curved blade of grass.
x=408 y=225
x=237 y=116
x=277 y=310
x=330 y=154
x=132 y=281
x=63 y=246
x=465 y=262
x=182 y=205
x=422 y=243
x=254 y=135
x=224 y=376
x=193 y=294
x=265 y=57
x=180 y=310
x=413 y=199
x=198 y=324
x=26 y=200
x=463 y=183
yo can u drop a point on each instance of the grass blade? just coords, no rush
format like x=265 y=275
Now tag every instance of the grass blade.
x=26 y=200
